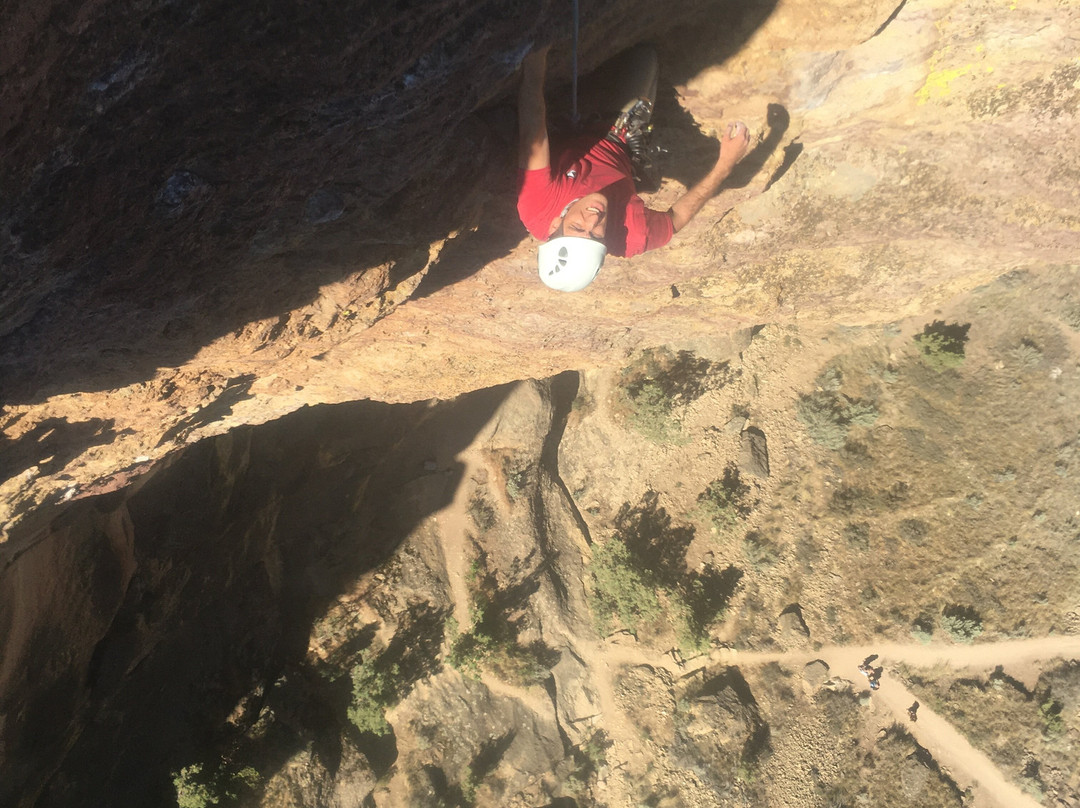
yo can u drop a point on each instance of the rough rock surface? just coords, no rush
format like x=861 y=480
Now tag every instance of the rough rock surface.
x=815 y=674
x=906 y=153
x=272 y=234
x=792 y=626
x=754 y=454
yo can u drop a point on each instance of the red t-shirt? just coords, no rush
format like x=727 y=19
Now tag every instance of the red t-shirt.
x=632 y=228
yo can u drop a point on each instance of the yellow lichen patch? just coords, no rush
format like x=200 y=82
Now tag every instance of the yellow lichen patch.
x=937 y=83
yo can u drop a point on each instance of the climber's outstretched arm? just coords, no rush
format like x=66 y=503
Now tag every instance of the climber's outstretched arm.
x=732 y=149
x=534 y=150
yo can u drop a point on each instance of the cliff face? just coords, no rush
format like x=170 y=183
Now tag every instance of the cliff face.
x=173 y=267
x=220 y=216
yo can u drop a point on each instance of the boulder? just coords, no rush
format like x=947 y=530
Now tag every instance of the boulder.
x=754 y=453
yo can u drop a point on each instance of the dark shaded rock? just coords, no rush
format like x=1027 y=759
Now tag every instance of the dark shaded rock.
x=793 y=629
x=323 y=206
x=816 y=673
x=754 y=455
x=184 y=189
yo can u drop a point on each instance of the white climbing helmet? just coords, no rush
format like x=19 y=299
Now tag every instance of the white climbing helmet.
x=569 y=263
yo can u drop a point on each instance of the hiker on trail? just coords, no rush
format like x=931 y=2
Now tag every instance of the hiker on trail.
x=584 y=204
x=913 y=712
x=875 y=677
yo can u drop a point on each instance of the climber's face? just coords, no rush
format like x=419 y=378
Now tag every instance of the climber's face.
x=585 y=218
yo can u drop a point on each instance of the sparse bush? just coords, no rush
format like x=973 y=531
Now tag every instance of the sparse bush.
x=858 y=535
x=374 y=691
x=941 y=346
x=1027 y=355
x=923 y=630
x=962 y=623
x=841 y=711
x=620 y=589
x=828 y=416
x=759 y=550
x=491 y=642
x=724 y=501
x=914 y=531
x=659 y=383
x=848 y=499
x=589 y=758
x=823 y=424
x=198 y=788
x=1028 y=734
x=481 y=512
x=1070 y=314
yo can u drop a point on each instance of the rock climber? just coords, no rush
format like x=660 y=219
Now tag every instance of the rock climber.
x=585 y=204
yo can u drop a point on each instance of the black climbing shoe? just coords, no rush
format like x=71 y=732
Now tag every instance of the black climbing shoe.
x=632 y=129
x=635 y=119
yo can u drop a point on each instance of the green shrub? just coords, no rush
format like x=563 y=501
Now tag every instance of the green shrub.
x=923 y=630
x=515 y=484
x=961 y=623
x=620 y=589
x=1050 y=713
x=198 y=788
x=491 y=641
x=759 y=550
x=640 y=573
x=652 y=414
x=704 y=596
x=724 y=501
x=374 y=692
x=194 y=789
x=938 y=352
x=941 y=346
x=828 y=416
x=659 y=383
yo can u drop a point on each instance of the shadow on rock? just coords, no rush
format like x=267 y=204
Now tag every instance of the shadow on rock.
x=212 y=627
x=196 y=169
x=51 y=443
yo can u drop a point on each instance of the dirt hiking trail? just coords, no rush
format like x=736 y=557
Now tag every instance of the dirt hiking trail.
x=967 y=766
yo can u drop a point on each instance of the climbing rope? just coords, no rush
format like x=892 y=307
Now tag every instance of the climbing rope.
x=573 y=93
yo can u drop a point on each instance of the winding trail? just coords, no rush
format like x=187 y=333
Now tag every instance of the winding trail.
x=966 y=765
x=1023 y=660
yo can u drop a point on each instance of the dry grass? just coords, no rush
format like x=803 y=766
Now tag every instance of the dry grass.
x=1032 y=736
